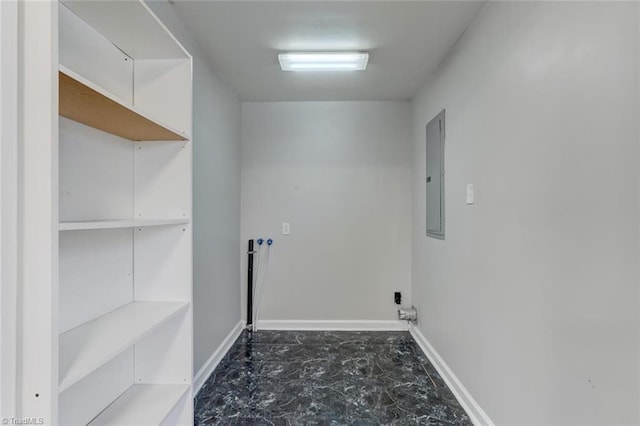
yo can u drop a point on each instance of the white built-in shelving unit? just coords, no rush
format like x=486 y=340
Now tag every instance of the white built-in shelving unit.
x=124 y=317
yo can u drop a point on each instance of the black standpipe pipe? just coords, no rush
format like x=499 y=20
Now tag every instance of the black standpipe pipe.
x=250 y=252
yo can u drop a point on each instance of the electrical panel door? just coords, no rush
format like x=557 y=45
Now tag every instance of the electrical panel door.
x=435 y=177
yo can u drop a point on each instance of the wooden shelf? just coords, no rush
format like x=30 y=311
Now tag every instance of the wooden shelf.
x=89 y=346
x=119 y=223
x=82 y=101
x=142 y=405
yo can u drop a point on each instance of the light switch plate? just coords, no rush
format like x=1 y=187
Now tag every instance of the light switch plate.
x=470 y=194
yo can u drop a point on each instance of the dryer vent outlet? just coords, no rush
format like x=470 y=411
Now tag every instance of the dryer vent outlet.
x=408 y=314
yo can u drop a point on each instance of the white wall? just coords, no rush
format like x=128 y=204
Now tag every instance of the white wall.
x=532 y=299
x=340 y=173
x=8 y=205
x=216 y=198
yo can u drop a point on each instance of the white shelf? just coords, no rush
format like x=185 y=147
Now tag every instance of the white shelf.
x=85 y=102
x=131 y=26
x=89 y=346
x=141 y=405
x=119 y=223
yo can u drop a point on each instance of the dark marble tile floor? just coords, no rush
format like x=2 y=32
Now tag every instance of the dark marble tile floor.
x=326 y=378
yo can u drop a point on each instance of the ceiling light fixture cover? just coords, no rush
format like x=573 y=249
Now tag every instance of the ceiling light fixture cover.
x=323 y=61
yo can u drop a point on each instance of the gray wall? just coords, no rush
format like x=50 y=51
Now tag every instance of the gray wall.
x=216 y=198
x=532 y=299
x=340 y=173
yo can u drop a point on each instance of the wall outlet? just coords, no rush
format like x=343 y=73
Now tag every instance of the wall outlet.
x=286 y=228
x=470 y=194
x=397 y=298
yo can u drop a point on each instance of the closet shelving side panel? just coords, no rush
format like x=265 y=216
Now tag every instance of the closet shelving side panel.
x=38 y=217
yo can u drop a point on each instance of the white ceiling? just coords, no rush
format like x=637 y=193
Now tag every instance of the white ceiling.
x=406 y=40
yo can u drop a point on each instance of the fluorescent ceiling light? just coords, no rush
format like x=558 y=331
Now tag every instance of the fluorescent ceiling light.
x=323 y=61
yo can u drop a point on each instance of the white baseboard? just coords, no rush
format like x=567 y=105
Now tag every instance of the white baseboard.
x=475 y=412
x=203 y=374
x=347 y=325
